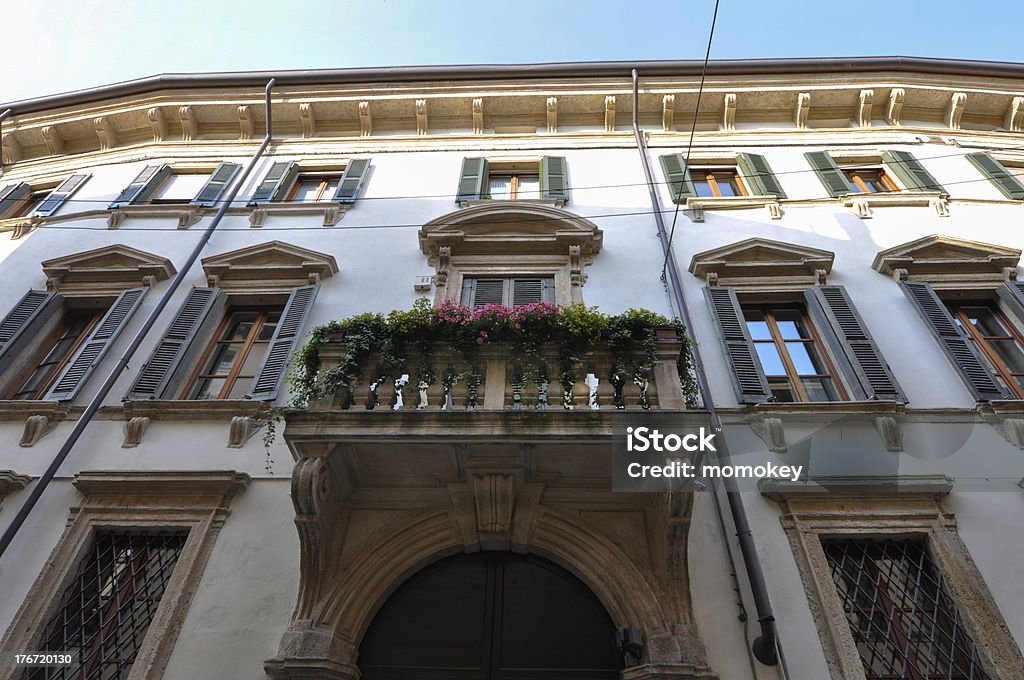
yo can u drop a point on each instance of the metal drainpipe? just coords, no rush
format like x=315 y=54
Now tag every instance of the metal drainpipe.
x=122 y=363
x=764 y=646
x=3 y=117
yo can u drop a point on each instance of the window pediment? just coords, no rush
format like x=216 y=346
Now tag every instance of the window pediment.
x=110 y=269
x=762 y=262
x=939 y=259
x=271 y=266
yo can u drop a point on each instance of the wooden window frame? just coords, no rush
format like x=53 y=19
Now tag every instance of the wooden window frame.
x=199 y=373
x=513 y=189
x=325 y=177
x=51 y=342
x=982 y=342
x=853 y=175
x=709 y=172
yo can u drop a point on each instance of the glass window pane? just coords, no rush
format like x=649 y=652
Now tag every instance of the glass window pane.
x=1010 y=352
x=208 y=388
x=790 y=323
x=500 y=186
x=239 y=330
x=726 y=184
x=529 y=186
x=239 y=389
x=180 y=188
x=805 y=358
x=985 y=320
x=782 y=392
x=332 y=186
x=820 y=389
x=222 y=359
x=759 y=330
x=253 y=361
x=702 y=187
x=306 y=189
x=771 y=362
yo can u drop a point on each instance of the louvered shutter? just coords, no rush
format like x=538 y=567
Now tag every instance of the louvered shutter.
x=748 y=376
x=89 y=355
x=17 y=328
x=155 y=376
x=554 y=180
x=828 y=172
x=958 y=347
x=472 y=183
x=850 y=339
x=1012 y=293
x=216 y=185
x=758 y=175
x=143 y=186
x=277 y=181
x=352 y=180
x=527 y=291
x=910 y=171
x=286 y=337
x=479 y=292
x=11 y=197
x=996 y=172
x=60 y=194
x=678 y=178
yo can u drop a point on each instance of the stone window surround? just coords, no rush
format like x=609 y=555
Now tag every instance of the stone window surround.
x=129 y=500
x=864 y=509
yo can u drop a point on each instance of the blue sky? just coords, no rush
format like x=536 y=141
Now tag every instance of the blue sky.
x=62 y=45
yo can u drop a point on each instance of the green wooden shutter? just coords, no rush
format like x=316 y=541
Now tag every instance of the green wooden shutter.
x=828 y=172
x=11 y=197
x=217 y=184
x=352 y=180
x=554 y=180
x=143 y=186
x=62 y=193
x=89 y=355
x=473 y=182
x=19 y=328
x=276 y=183
x=850 y=339
x=678 y=177
x=1012 y=293
x=960 y=350
x=758 y=175
x=910 y=171
x=286 y=338
x=996 y=172
x=748 y=377
x=155 y=376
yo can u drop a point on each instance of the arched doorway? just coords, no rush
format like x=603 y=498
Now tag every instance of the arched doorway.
x=491 y=616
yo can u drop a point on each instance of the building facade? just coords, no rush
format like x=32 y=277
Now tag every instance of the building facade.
x=841 y=240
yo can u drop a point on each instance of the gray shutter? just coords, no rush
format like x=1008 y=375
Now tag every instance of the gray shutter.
x=277 y=181
x=60 y=194
x=143 y=186
x=352 y=180
x=850 y=338
x=286 y=339
x=747 y=375
x=910 y=171
x=554 y=180
x=215 y=186
x=472 y=183
x=758 y=175
x=156 y=374
x=479 y=292
x=678 y=177
x=16 y=329
x=959 y=348
x=529 y=291
x=1012 y=293
x=89 y=355
x=996 y=172
x=828 y=172
x=11 y=196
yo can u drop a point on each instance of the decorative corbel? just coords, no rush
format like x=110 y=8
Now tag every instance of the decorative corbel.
x=955 y=111
x=1013 y=430
x=241 y=430
x=256 y=217
x=861 y=208
x=12 y=148
x=900 y=274
x=890 y=432
x=213 y=280
x=1009 y=273
x=134 y=430
x=1015 y=115
x=864 y=107
x=771 y=432
x=36 y=427
x=774 y=210
x=54 y=142
x=106 y=133
x=53 y=284
x=609 y=113
x=308 y=120
x=820 y=277
x=148 y=281
x=245 y=124
x=895 y=110
x=551 y=107
x=941 y=206
x=114 y=218
x=11 y=481
x=313 y=279
x=157 y=123
x=576 y=275
x=668 y=112
x=332 y=215
x=444 y=260
x=365 y=119
x=189 y=123
x=711 y=279
x=729 y=112
x=26 y=226
x=186 y=218
x=421 y=117
x=803 y=109
x=478 y=116
x=695 y=210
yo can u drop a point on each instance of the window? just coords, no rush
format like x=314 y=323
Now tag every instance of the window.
x=106 y=610
x=787 y=348
x=843 y=174
x=56 y=351
x=231 y=361
x=1007 y=175
x=179 y=188
x=314 y=187
x=42 y=200
x=998 y=341
x=198 y=185
x=747 y=175
x=509 y=180
x=308 y=182
x=513 y=186
x=511 y=292
x=869 y=180
x=717 y=182
x=903 y=621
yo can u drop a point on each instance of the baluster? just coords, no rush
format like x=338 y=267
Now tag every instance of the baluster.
x=373 y=397
x=618 y=381
x=518 y=380
x=448 y=383
x=542 y=393
x=424 y=402
x=640 y=380
x=400 y=384
x=473 y=381
x=592 y=383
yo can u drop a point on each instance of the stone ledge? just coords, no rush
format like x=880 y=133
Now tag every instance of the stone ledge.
x=188 y=409
x=923 y=486
x=224 y=483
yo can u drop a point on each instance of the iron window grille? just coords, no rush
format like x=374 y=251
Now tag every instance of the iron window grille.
x=904 y=623
x=106 y=610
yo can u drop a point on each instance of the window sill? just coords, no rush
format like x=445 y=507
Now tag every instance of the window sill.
x=923 y=486
x=194 y=409
x=331 y=211
x=695 y=206
x=188 y=215
x=19 y=226
x=550 y=202
x=862 y=204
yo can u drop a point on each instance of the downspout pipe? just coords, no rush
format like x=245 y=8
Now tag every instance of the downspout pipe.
x=140 y=336
x=3 y=117
x=764 y=646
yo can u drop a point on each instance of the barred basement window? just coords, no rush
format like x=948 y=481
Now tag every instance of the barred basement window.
x=904 y=623
x=107 y=608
